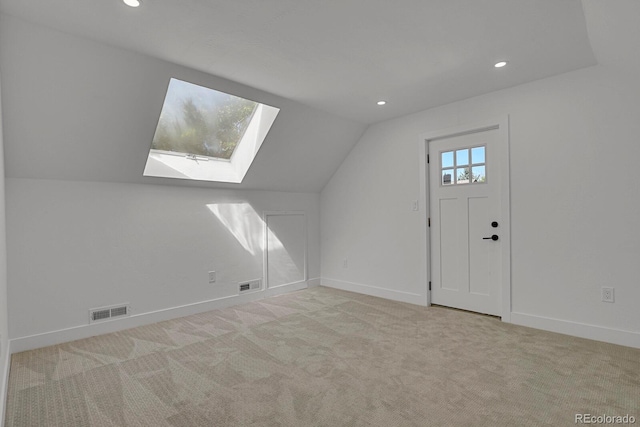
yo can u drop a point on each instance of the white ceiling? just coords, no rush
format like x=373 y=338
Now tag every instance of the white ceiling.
x=341 y=56
x=614 y=32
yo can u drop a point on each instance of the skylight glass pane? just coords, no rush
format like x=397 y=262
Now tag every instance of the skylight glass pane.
x=200 y=121
x=207 y=135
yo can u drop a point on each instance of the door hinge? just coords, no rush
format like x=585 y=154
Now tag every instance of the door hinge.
x=427 y=158
x=429 y=222
x=429 y=285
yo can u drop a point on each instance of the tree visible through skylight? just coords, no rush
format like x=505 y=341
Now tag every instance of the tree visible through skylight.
x=207 y=135
x=200 y=121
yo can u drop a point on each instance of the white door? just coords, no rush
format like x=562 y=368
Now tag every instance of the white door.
x=285 y=255
x=465 y=207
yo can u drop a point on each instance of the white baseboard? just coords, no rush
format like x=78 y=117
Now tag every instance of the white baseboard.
x=85 y=331
x=313 y=282
x=582 y=330
x=359 y=288
x=5 y=383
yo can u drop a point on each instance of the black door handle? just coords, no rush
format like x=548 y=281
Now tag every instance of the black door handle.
x=494 y=238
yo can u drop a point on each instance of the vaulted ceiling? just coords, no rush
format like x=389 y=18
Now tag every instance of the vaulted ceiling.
x=341 y=56
x=83 y=80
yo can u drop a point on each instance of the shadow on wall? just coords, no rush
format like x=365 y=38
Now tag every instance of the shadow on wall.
x=285 y=241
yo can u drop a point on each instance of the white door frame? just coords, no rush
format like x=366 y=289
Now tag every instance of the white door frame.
x=502 y=125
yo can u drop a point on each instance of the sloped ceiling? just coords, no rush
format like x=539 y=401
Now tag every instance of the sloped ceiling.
x=341 y=56
x=75 y=109
x=83 y=81
x=614 y=32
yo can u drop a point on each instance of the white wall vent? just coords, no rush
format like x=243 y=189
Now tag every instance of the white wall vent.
x=252 y=285
x=105 y=313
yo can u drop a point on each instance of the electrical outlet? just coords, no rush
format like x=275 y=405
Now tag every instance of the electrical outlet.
x=345 y=263
x=608 y=294
x=212 y=277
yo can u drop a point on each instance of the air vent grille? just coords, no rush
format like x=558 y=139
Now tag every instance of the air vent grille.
x=106 y=313
x=252 y=285
x=119 y=311
x=101 y=314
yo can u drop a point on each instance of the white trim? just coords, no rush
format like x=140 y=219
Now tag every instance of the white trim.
x=5 y=382
x=290 y=284
x=425 y=231
x=313 y=282
x=265 y=253
x=582 y=330
x=85 y=331
x=375 y=291
x=502 y=125
x=505 y=230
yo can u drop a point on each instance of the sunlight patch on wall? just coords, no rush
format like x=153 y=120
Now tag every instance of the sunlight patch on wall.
x=243 y=222
x=279 y=237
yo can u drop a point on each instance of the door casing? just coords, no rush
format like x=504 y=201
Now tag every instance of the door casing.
x=502 y=125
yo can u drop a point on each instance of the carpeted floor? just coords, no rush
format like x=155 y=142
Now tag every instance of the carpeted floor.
x=323 y=357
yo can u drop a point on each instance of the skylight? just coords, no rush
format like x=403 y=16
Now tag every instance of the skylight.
x=204 y=134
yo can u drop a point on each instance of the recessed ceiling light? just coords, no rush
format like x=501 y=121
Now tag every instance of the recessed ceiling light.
x=500 y=64
x=132 y=3
x=381 y=102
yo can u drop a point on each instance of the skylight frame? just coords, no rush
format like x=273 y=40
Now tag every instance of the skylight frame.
x=182 y=165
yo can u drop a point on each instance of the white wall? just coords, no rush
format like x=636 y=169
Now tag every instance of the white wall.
x=4 y=332
x=574 y=203
x=79 y=110
x=75 y=245
x=85 y=229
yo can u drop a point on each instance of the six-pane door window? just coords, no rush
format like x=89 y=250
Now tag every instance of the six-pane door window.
x=463 y=166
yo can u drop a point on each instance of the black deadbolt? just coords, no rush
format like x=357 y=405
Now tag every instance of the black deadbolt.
x=494 y=224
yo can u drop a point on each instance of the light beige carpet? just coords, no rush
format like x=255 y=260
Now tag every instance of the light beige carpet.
x=323 y=357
